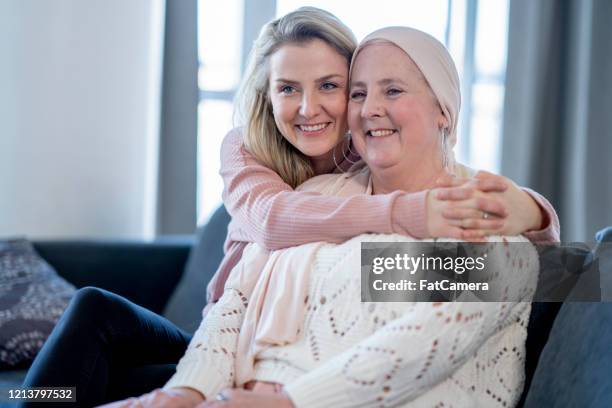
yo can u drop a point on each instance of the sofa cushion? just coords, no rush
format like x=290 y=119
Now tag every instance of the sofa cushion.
x=189 y=298
x=32 y=298
x=574 y=367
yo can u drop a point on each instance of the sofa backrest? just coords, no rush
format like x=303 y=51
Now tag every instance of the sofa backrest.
x=541 y=320
x=189 y=298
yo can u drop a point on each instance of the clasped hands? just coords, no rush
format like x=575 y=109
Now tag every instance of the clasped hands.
x=471 y=209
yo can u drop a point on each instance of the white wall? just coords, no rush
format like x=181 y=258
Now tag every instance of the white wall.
x=79 y=117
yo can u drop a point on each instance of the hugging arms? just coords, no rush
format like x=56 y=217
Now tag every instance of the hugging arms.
x=238 y=299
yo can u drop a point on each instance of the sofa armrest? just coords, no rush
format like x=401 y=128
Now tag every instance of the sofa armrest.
x=143 y=272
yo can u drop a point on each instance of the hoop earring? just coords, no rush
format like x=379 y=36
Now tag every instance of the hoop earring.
x=334 y=159
x=349 y=136
x=445 y=161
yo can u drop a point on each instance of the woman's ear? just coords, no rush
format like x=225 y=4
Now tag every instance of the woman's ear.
x=442 y=122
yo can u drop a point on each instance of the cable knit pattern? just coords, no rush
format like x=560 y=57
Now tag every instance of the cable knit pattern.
x=269 y=212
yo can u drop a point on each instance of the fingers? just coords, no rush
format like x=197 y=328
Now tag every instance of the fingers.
x=155 y=398
x=490 y=206
x=459 y=213
x=468 y=235
x=461 y=203
x=483 y=181
x=214 y=404
x=483 y=174
x=490 y=185
x=474 y=235
x=478 y=224
x=449 y=180
x=118 y=404
x=227 y=398
x=454 y=193
x=451 y=232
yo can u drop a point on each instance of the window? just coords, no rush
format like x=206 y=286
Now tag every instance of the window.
x=474 y=32
x=219 y=55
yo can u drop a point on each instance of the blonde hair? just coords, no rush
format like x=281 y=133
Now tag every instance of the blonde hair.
x=253 y=107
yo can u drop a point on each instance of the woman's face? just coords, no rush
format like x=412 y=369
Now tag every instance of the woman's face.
x=308 y=91
x=392 y=114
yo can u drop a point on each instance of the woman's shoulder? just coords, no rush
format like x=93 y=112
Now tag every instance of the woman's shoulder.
x=233 y=151
x=234 y=137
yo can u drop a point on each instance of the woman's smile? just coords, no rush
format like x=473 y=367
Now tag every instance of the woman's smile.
x=377 y=133
x=315 y=129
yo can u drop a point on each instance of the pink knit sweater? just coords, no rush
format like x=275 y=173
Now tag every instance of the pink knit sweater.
x=268 y=211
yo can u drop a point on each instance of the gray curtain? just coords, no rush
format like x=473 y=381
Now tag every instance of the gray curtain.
x=177 y=189
x=558 y=108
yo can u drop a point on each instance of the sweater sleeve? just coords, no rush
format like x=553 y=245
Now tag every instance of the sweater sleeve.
x=269 y=211
x=551 y=229
x=208 y=364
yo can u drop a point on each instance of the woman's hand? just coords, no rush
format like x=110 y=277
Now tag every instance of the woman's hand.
x=455 y=209
x=468 y=201
x=236 y=398
x=524 y=214
x=179 y=397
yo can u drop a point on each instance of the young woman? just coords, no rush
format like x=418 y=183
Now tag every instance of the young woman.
x=102 y=333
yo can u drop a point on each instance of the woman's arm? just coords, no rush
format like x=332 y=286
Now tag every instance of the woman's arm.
x=208 y=363
x=528 y=212
x=269 y=211
x=550 y=229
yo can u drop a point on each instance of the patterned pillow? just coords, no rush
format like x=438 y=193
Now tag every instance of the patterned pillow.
x=32 y=298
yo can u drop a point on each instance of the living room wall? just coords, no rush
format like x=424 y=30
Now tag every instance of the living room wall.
x=79 y=117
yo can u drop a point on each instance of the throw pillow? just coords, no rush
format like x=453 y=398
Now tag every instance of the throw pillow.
x=32 y=298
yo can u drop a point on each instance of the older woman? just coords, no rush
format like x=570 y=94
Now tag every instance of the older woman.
x=300 y=325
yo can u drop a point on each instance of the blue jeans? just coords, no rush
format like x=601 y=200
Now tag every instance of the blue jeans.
x=575 y=367
x=108 y=348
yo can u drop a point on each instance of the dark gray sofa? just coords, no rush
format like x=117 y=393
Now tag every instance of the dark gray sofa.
x=169 y=277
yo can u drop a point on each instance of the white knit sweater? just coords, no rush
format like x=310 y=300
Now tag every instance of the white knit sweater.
x=355 y=354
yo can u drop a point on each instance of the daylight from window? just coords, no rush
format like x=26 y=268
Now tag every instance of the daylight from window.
x=475 y=32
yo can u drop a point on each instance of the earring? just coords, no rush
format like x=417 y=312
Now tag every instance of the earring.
x=334 y=159
x=445 y=161
x=350 y=142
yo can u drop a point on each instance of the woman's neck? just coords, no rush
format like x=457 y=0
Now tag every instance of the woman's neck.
x=409 y=180
x=327 y=163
